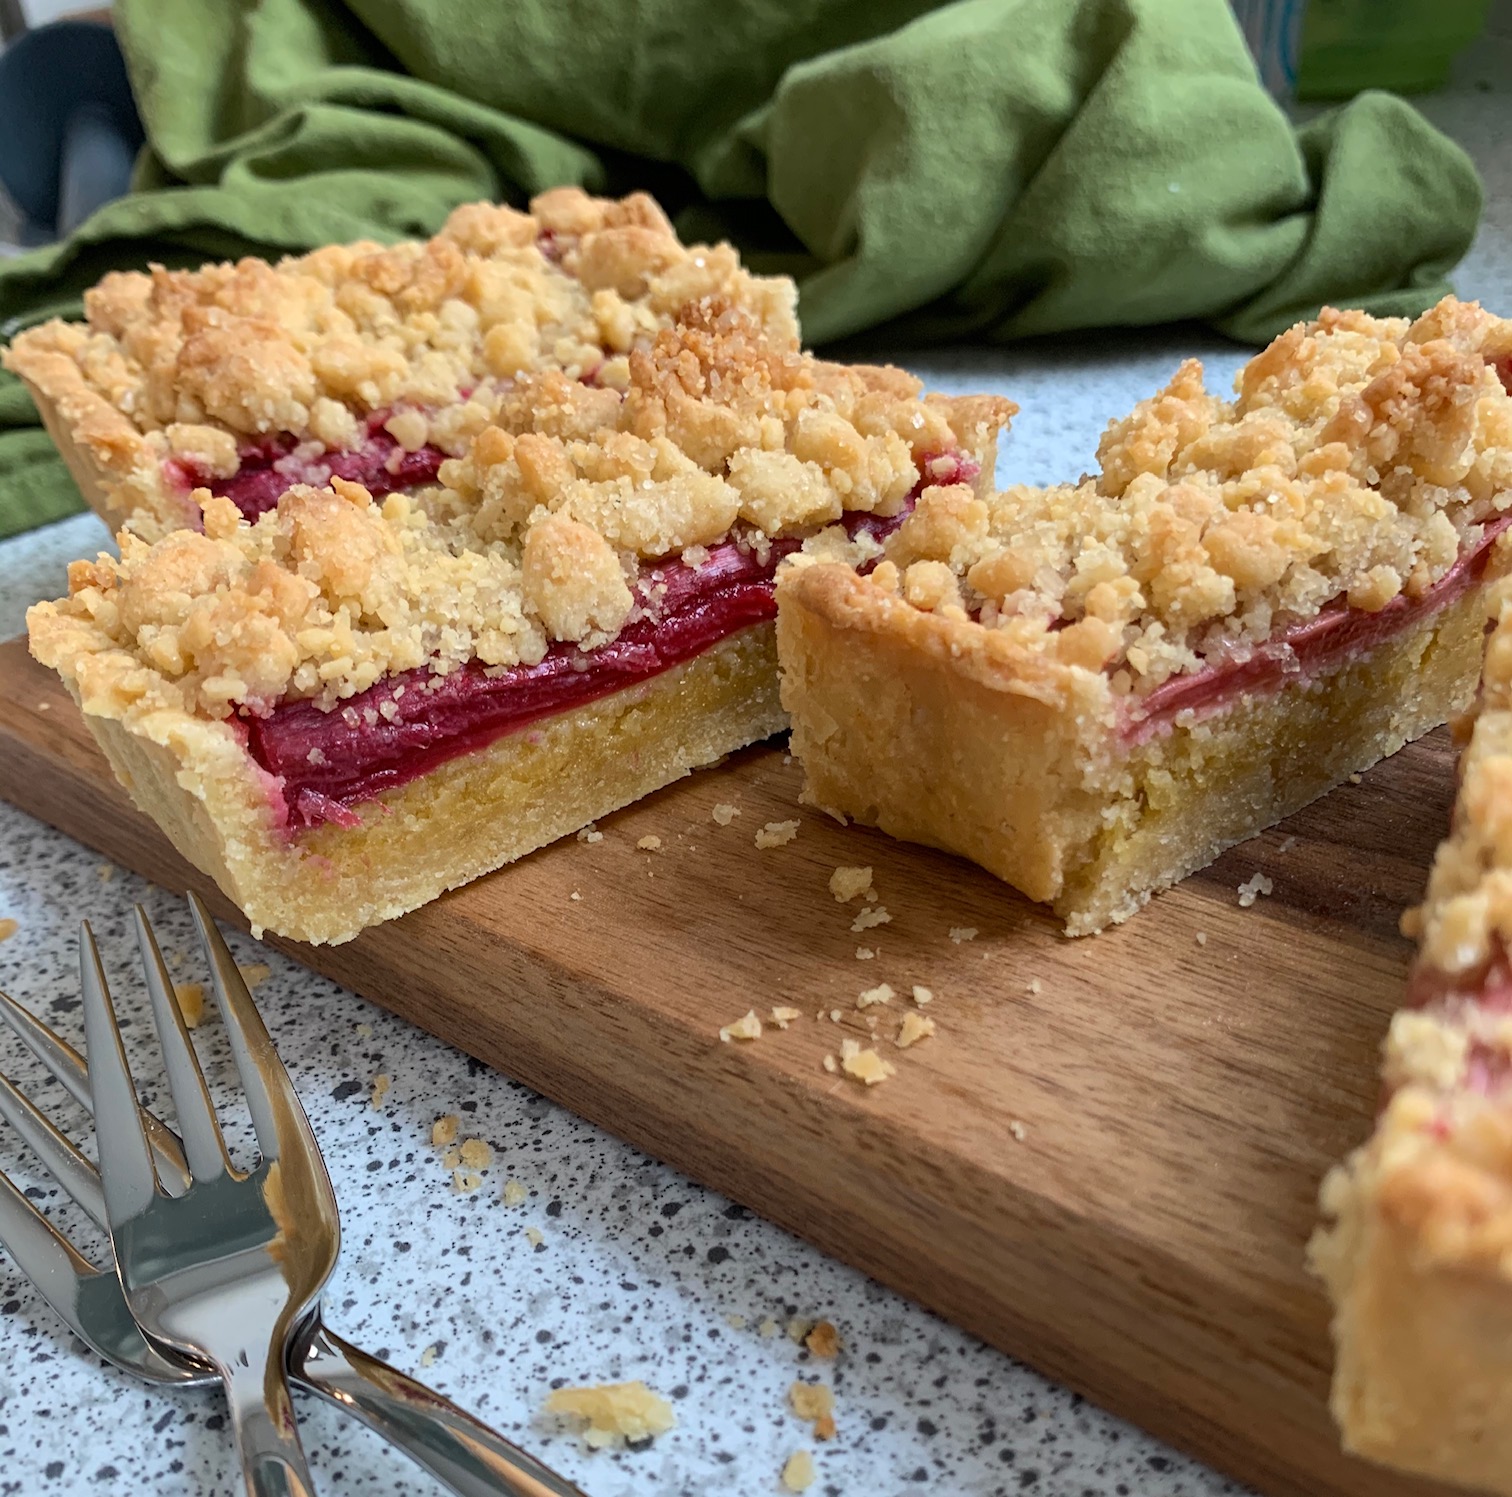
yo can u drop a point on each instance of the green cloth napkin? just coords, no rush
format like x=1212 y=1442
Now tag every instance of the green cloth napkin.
x=985 y=169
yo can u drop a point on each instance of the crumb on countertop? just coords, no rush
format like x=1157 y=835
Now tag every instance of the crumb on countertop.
x=915 y=1027
x=1252 y=888
x=847 y=883
x=724 y=813
x=865 y=1065
x=959 y=933
x=514 y=1193
x=798 y=1471
x=444 y=1130
x=782 y=1015
x=882 y=993
x=814 y=1401
x=746 y=1028
x=465 y=1182
x=612 y=1412
x=190 y=997
x=776 y=834
x=381 y=1084
x=922 y=995
x=735 y=1322
x=105 y=872
x=767 y=1329
x=429 y=1355
x=254 y=974
x=823 y=1340
x=649 y=843
x=534 y=1236
x=476 y=1154
x=873 y=915
x=798 y=1327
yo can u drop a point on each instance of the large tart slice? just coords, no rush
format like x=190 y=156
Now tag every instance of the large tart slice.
x=1093 y=690
x=1417 y=1254
x=346 y=705
x=358 y=361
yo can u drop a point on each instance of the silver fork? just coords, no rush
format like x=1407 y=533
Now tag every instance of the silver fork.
x=460 y=1451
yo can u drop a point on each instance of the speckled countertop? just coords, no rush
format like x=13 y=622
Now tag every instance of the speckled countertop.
x=638 y=1272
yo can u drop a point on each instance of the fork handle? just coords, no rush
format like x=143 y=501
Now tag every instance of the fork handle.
x=458 y=1450
x=266 y=1438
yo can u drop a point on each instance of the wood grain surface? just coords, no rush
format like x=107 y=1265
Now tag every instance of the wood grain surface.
x=1180 y=1100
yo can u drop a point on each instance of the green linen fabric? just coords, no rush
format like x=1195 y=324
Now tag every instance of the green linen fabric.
x=985 y=169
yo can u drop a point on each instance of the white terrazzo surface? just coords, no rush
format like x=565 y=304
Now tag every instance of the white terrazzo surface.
x=637 y=1268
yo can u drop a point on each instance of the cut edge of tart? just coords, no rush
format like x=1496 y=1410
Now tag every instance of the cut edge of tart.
x=1092 y=690
x=1416 y=1249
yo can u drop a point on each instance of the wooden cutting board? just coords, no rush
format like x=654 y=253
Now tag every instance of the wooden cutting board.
x=1140 y=1235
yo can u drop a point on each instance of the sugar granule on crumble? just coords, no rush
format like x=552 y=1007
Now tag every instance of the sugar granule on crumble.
x=1252 y=888
x=776 y=834
x=870 y=917
x=865 y=1065
x=611 y=1413
x=882 y=993
x=798 y=1471
x=747 y=1027
x=190 y=997
x=381 y=1084
x=724 y=813
x=816 y=1402
x=915 y=1027
x=847 y=883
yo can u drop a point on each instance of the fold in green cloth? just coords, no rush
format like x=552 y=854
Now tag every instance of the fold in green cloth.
x=984 y=169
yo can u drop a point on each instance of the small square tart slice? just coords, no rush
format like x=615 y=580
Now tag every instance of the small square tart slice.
x=358 y=361
x=1417 y=1246
x=346 y=706
x=1092 y=690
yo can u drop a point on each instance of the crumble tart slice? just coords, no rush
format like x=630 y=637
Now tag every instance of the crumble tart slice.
x=360 y=361
x=348 y=705
x=1417 y=1247
x=1092 y=690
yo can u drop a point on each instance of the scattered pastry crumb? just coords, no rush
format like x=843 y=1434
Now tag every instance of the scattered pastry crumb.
x=1202 y=938
x=815 y=1401
x=882 y=993
x=767 y=1329
x=724 y=813
x=831 y=1064
x=476 y=1154
x=783 y=1016
x=735 y=1322
x=452 y=1158
x=363 y=1031
x=534 y=1236
x=444 y=1130
x=1355 y=779
x=590 y=833
x=798 y=1327
x=959 y=933
x=649 y=843
x=514 y=1193
x=429 y=1355
x=915 y=1027
x=922 y=995
x=254 y=974
x=1033 y=985
x=465 y=1182
x=1287 y=845
x=1252 y=888
x=574 y=895
x=864 y=953
x=191 y=1002
x=8 y=928
x=776 y=834
x=873 y=915
x=836 y=1015
x=381 y=1084
x=865 y=1065
x=823 y=1340
x=846 y=883
x=798 y=1472
x=747 y=1028
x=1018 y=1130
x=612 y=1412
x=105 y=872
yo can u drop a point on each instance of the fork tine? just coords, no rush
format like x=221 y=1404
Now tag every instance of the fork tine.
x=256 y=1059
x=125 y=1161
x=68 y=1166
x=203 y=1144
x=67 y=1065
x=41 y=1252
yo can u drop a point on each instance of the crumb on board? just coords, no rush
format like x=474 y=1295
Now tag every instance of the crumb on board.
x=959 y=933
x=190 y=997
x=429 y=1355
x=1033 y=985
x=782 y=1015
x=1202 y=938
x=1356 y=779
x=609 y=1413
x=724 y=813
x=882 y=993
x=872 y=915
x=847 y=883
x=444 y=1130
x=574 y=895
x=767 y=1329
x=589 y=833
x=922 y=995
x=1252 y=888
x=534 y=1236
x=476 y=1154
x=798 y=1471
x=381 y=1083
x=824 y=1340
x=776 y=833
x=836 y=1015
x=865 y=953
x=1018 y=1130
x=831 y=1064
x=865 y=1065
x=649 y=843
x=105 y=872
x=915 y=1027
x=735 y=1322
x=747 y=1027
x=514 y=1193
x=254 y=974
x=1287 y=844
x=816 y=1402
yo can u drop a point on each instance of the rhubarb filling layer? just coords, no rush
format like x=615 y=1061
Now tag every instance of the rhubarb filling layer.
x=325 y=761
x=1337 y=634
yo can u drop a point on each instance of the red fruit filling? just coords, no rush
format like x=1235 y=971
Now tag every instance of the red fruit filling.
x=326 y=761
x=1335 y=634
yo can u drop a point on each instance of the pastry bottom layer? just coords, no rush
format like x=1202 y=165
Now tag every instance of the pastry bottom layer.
x=1066 y=810
x=462 y=819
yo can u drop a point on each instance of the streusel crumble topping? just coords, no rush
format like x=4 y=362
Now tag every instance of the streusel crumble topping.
x=1360 y=460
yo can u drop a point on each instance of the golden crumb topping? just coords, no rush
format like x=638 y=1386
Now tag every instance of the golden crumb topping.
x=1357 y=461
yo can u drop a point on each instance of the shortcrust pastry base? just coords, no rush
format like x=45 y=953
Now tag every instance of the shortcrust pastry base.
x=463 y=819
x=1014 y=764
